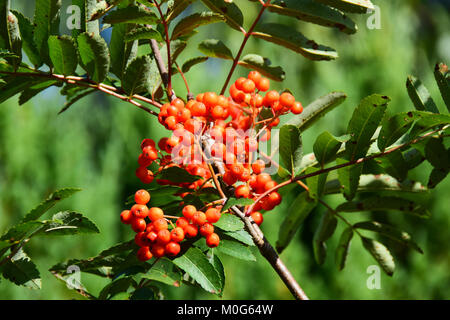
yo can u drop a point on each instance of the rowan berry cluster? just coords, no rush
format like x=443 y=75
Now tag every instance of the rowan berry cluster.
x=156 y=234
x=218 y=129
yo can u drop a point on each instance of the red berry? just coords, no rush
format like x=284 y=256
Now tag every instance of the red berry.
x=182 y=222
x=139 y=211
x=177 y=234
x=206 y=229
x=297 y=108
x=189 y=211
x=172 y=249
x=191 y=231
x=163 y=236
x=257 y=217
x=144 y=254
x=199 y=218
x=212 y=215
x=155 y=213
x=142 y=196
x=212 y=240
x=126 y=217
x=263 y=84
x=242 y=191
x=160 y=224
x=138 y=225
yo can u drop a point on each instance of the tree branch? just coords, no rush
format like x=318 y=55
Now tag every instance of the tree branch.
x=247 y=35
x=263 y=245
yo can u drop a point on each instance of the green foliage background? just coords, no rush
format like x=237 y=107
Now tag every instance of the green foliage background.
x=95 y=146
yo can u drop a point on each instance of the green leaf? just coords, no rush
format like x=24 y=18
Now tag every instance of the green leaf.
x=46 y=22
x=233 y=15
x=52 y=199
x=28 y=43
x=427 y=121
x=437 y=154
x=242 y=236
x=390 y=232
x=63 y=54
x=441 y=74
x=144 y=293
x=263 y=65
x=323 y=232
x=69 y=223
x=164 y=271
x=100 y=265
x=20 y=231
x=137 y=76
x=241 y=202
x=317 y=109
x=419 y=95
x=395 y=165
x=290 y=148
x=292 y=39
x=177 y=175
x=235 y=249
x=22 y=271
x=196 y=265
x=382 y=184
x=229 y=222
x=316 y=183
x=33 y=90
x=396 y=126
x=381 y=254
x=298 y=211
x=215 y=49
x=122 y=52
x=132 y=14
x=349 y=177
x=94 y=56
x=177 y=8
x=143 y=33
x=314 y=12
x=217 y=264
x=436 y=176
x=73 y=99
x=379 y=203
x=115 y=287
x=192 y=22
x=352 y=6
x=192 y=62
x=343 y=248
x=326 y=147
x=363 y=124
x=15 y=85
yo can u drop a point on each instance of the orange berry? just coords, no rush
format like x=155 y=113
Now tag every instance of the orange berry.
x=155 y=213
x=248 y=86
x=199 y=218
x=172 y=249
x=271 y=97
x=257 y=217
x=138 y=225
x=258 y=166
x=144 y=254
x=158 y=250
x=212 y=240
x=287 y=99
x=177 y=234
x=147 y=142
x=263 y=84
x=139 y=211
x=182 y=222
x=160 y=224
x=255 y=76
x=212 y=215
x=189 y=211
x=126 y=217
x=206 y=229
x=191 y=231
x=163 y=236
x=297 y=108
x=142 y=196
x=242 y=191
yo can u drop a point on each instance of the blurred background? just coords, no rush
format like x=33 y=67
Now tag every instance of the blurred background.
x=95 y=144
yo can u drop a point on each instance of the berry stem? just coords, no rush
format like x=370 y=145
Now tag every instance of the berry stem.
x=244 y=42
